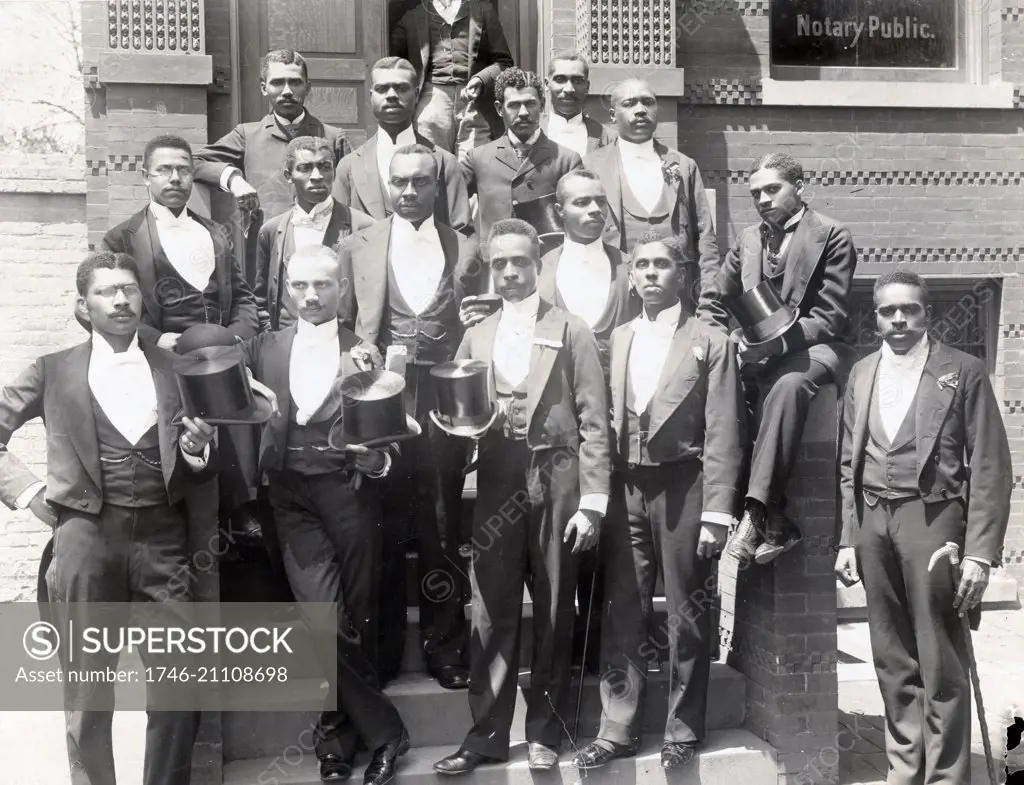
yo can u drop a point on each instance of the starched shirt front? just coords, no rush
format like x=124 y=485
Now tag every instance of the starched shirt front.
x=313 y=366
x=641 y=166
x=571 y=133
x=187 y=245
x=417 y=258
x=308 y=229
x=583 y=278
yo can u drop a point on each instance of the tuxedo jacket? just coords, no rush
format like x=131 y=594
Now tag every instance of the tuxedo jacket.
x=566 y=401
x=270 y=250
x=258 y=149
x=358 y=184
x=138 y=237
x=691 y=212
x=697 y=410
x=598 y=134
x=56 y=388
x=623 y=303
x=501 y=181
x=820 y=263
x=364 y=262
x=268 y=355
x=962 y=449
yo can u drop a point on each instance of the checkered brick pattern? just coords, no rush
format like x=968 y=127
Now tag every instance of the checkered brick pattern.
x=937 y=255
x=1013 y=407
x=724 y=91
x=1013 y=13
x=124 y=163
x=752 y=7
x=832 y=178
x=1013 y=330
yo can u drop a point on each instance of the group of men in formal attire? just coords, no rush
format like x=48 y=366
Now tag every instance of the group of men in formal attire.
x=634 y=431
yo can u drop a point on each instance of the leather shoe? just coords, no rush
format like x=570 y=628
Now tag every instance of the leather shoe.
x=676 y=754
x=541 y=757
x=748 y=535
x=334 y=768
x=781 y=536
x=381 y=769
x=452 y=677
x=247 y=524
x=462 y=762
x=594 y=755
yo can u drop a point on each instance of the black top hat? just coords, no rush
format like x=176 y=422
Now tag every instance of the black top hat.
x=539 y=213
x=214 y=385
x=372 y=411
x=201 y=336
x=761 y=313
x=463 y=398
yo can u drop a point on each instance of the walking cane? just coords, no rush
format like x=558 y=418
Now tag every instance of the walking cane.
x=951 y=550
x=586 y=643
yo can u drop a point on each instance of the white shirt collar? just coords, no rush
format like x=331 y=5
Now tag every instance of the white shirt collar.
x=104 y=352
x=524 y=309
x=319 y=208
x=583 y=250
x=284 y=122
x=405 y=136
x=450 y=12
x=796 y=218
x=165 y=216
x=558 y=122
x=529 y=142
x=643 y=150
x=317 y=333
x=426 y=230
x=914 y=359
x=670 y=315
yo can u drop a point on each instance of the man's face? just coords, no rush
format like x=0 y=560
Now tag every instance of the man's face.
x=777 y=200
x=314 y=287
x=393 y=95
x=413 y=186
x=902 y=315
x=286 y=88
x=656 y=275
x=112 y=303
x=168 y=176
x=568 y=87
x=521 y=111
x=514 y=263
x=312 y=175
x=583 y=209
x=635 y=111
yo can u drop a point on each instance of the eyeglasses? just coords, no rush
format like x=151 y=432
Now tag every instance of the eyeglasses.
x=184 y=172
x=128 y=289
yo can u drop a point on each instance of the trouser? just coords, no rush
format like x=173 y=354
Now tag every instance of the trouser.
x=121 y=555
x=784 y=391
x=441 y=116
x=524 y=502
x=660 y=530
x=238 y=448
x=917 y=639
x=330 y=543
x=423 y=500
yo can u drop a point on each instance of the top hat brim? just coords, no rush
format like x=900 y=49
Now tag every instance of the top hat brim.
x=473 y=431
x=740 y=334
x=336 y=436
x=261 y=412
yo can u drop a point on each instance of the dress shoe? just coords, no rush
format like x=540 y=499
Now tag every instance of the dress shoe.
x=381 y=769
x=334 y=768
x=594 y=755
x=462 y=762
x=676 y=754
x=781 y=536
x=748 y=534
x=452 y=677
x=245 y=522
x=541 y=757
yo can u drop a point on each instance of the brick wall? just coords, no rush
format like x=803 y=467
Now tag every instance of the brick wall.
x=42 y=240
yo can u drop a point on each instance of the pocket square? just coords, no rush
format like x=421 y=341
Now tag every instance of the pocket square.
x=698 y=352
x=547 y=342
x=949 y=381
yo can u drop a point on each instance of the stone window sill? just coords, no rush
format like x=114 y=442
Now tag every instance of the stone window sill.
x=945 y=95
x=144 y=68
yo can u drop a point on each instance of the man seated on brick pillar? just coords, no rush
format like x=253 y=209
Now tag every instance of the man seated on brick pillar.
x=651 y=186
x=249 y=161
x=362 y=181
x=568 y=85
x=189 y=276
x=809 y=259
x=921 y=436
x=677 y=425
x=465 y=51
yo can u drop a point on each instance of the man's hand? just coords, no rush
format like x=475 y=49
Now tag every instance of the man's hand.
x=761 y=352
x=472 y=89
x=587 y=525
x=973 y=582
x=246 y=195
x=42 y=509
x=846 y=566
x=472 y=311
x=265 y=391
x=197 y=435
x=712 y=539
x=367 y=459
x=168 y=341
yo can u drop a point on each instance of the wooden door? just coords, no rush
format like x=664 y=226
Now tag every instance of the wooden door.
x=340 y=39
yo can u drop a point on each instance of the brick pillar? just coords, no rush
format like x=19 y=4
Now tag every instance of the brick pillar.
x=779 y=621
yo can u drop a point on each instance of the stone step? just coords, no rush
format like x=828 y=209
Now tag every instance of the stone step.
x=1001 y=594
x=727 y=757
x=436 y=716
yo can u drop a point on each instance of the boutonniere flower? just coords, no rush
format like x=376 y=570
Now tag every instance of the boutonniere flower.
x=671 y=172
x=698 y=352
x=949 y=381
x=363 y=358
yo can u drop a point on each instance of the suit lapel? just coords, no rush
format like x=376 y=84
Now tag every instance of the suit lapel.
x=339 y=216
x=507 y=154
x=673 y=384
x=144 y=248
x=223 y=262
x=482 y=347
x=542 y=151
x=547 y=280
x=547 y=334
x=750 y=262
x=621 y=342
x=276 y=372
x=76 y=407
x=367 y=178
x=423 y=33
x=168 y=399
x=371 y=278
x=606 y=164
x=802 y=256
x=864 y=386
x=932 y=401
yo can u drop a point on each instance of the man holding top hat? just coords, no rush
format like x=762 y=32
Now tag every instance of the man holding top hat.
x=409 y=275
x=677 y=402
x=116 y=474
x=787 y=281
x=316 y=218
x=338 y=416
x=542 y=493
